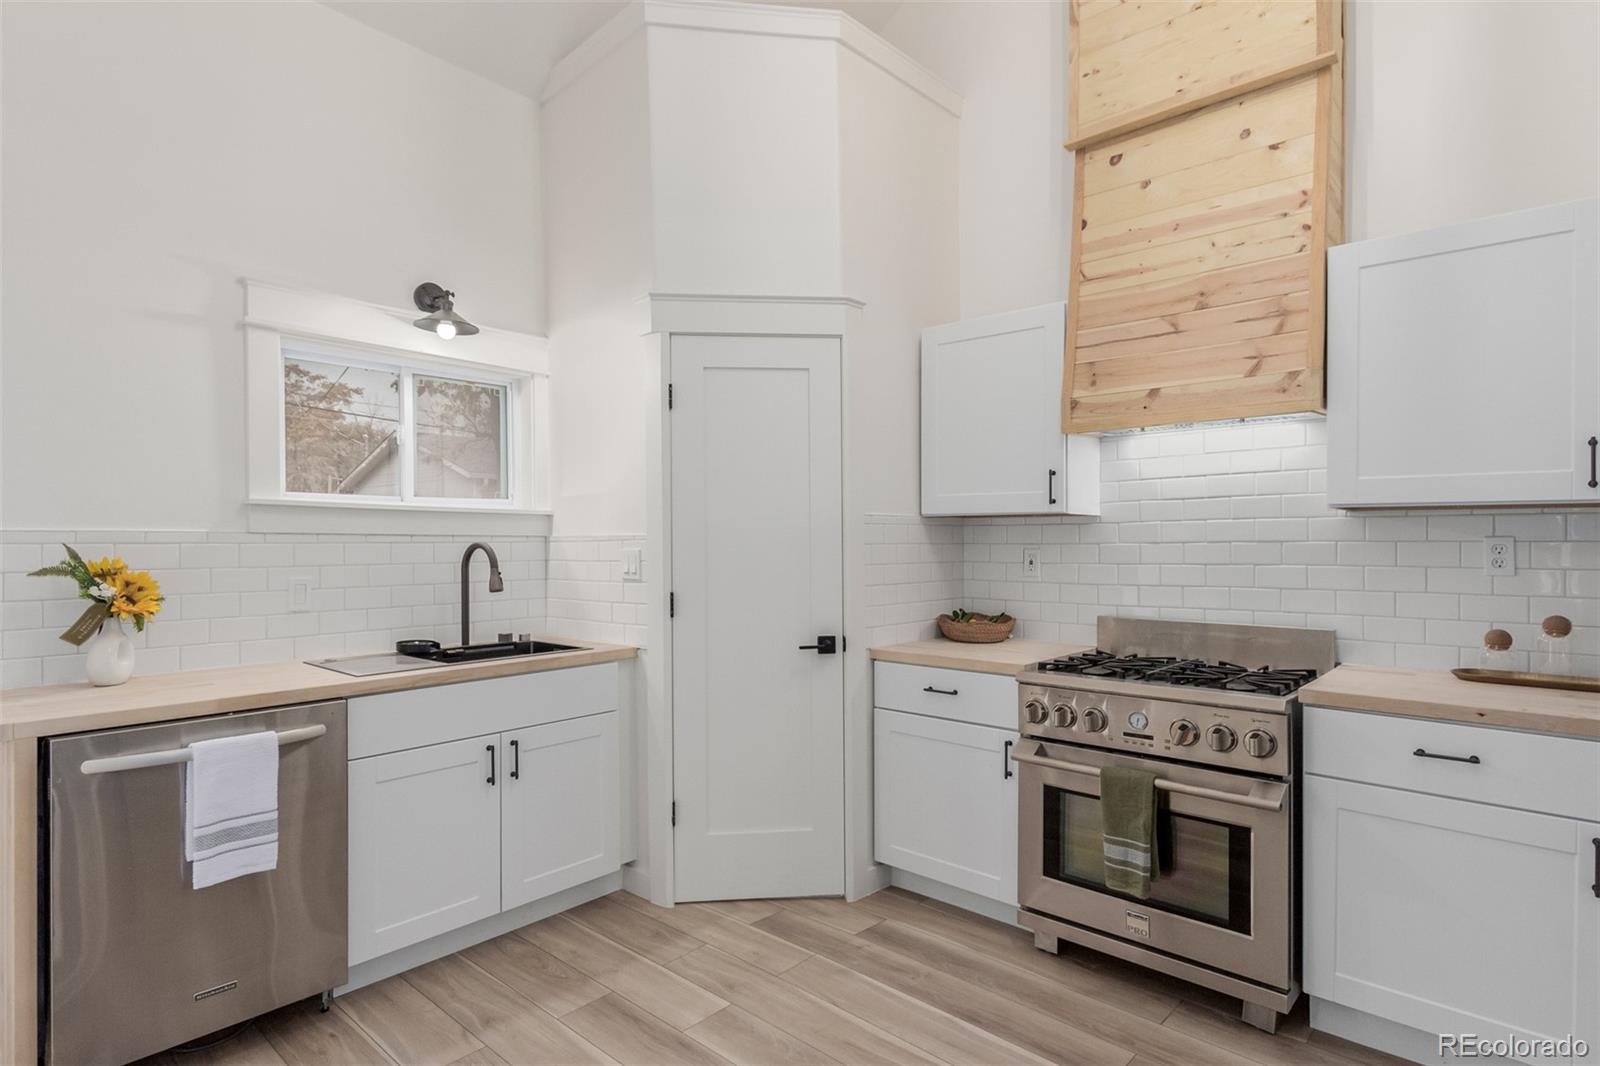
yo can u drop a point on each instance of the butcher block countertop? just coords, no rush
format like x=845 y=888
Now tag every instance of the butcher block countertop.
x=54 y=709
x=1007 y=657
x=1439 y=694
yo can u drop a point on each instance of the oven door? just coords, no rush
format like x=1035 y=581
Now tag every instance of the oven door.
x=1222 y=894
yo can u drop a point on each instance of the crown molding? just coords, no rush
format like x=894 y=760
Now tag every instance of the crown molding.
x=730 y=16
x=677 y=312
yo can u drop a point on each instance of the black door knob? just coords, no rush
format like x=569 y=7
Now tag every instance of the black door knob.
x=824 y=646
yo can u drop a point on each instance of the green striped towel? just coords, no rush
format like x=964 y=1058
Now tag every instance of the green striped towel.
x=1128 y=829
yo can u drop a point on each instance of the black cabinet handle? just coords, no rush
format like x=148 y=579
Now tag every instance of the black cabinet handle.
x=516 y=761
x=1596 y=885
x=1425 y=754
x=1594 y=463
x=490 y=749
x=940 y=691
x=823 y=646
x=1052 y=487
x=1005 y=764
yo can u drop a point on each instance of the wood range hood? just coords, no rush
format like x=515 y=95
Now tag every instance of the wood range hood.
x=1208 y=185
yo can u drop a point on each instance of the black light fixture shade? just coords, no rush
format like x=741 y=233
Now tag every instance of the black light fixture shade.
x=442 y=318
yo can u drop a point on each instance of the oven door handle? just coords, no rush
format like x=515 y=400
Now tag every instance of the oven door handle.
x=1263 y=803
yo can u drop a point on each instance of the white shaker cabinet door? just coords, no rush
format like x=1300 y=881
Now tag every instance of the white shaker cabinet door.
x=946 y=802
x=424 y=843
x=1450 y=916
x=991 y=420
x=559 y=806
x=1464 y=363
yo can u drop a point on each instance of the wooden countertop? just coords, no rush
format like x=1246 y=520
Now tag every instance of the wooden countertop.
x=1439 y=694
x=1007 y=657
x=54 y=709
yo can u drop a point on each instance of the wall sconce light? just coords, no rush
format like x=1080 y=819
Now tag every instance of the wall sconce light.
x=442 y=318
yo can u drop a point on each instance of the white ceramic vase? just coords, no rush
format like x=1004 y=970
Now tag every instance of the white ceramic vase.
x=110 y=655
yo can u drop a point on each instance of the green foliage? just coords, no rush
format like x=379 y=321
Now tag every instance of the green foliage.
x=961 y=615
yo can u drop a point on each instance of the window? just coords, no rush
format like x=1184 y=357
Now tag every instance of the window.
x=357 y=422
x=356 y=425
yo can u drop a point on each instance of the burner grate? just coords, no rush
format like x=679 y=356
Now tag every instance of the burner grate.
x=1169 y=670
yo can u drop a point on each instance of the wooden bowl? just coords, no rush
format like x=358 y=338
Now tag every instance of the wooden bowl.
x=976 y=632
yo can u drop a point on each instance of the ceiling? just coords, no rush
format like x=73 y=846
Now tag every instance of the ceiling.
x=515 y=42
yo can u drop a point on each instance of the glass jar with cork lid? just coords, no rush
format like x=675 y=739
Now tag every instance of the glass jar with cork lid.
x=1496 y=653
x=1554 y=656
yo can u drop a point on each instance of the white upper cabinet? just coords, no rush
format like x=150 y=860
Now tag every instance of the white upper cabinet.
x=991 y=420
x=1464 y=363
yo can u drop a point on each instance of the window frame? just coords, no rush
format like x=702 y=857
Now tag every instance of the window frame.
x=282 y=324
x=407 y=370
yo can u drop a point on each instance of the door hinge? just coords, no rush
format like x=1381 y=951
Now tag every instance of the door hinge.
x=669 y=395
x=674 y=812
x=672 y=605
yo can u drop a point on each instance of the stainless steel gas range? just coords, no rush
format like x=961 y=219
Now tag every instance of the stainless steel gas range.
x=1211 y=710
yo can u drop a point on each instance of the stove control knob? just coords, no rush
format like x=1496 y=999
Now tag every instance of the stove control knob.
x=1260 y=743
x=1221 y=738
x=1183 y=733
x=1093 y=719
x=1035 y=710
x=1062 y=716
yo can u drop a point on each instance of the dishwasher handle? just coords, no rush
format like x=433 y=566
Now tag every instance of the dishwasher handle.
x=115 y=763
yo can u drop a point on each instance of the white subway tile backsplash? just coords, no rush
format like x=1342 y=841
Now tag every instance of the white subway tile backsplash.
x=1254 y=542
x=227 y=596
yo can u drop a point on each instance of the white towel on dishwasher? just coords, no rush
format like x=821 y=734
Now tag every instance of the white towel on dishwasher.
x=230 y=809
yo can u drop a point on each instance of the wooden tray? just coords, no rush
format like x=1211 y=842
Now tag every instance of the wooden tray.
x=1518 y=677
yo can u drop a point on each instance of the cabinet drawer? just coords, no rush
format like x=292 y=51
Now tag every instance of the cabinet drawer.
x=1552 y=775
x=960 y=695
x=395 y=721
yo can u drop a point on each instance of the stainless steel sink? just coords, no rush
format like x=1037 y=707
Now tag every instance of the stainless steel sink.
x=426 y=654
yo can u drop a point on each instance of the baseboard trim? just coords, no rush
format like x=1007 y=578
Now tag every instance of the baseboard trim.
x=1369 y=1030
x=409 y=958
x=956 y=897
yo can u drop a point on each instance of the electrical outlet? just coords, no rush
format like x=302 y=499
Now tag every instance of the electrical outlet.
x=299 y=592
x=1030 y=562
x=1500 y=555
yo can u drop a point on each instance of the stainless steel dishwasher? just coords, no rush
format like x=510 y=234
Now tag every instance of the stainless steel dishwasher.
x=135 y=960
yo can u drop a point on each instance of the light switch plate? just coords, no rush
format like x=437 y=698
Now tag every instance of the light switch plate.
x=299 y=592
x=632 y=565
x=1500 y=556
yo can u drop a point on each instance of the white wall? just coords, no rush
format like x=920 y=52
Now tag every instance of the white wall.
x=154 y=154
x=898 y=193
x=1008 y=62
x=745 y=158
x=599 y=262
x=1459 y=110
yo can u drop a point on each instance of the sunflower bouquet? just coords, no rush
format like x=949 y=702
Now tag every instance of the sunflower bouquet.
x=113 y=591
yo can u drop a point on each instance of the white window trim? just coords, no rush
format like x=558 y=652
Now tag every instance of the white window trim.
x=276 y=317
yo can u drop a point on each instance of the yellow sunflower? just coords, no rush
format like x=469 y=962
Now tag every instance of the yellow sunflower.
x=107 y=570
x=138 y=596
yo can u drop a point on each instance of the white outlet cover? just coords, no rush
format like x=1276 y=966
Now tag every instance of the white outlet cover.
x=1030 y=562
x=1500 y=556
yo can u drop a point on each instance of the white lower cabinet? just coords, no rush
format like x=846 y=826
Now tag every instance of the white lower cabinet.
x=946 y=802
x=451 y=831
x=424 y=844
x=1452 y=916
x=558 y=807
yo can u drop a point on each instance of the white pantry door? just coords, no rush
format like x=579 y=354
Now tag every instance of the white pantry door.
x=757 y=571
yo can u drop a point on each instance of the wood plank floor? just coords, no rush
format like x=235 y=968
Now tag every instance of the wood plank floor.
x=895 y=978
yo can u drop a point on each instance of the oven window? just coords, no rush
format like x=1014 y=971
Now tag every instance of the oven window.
x=1204 y=866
